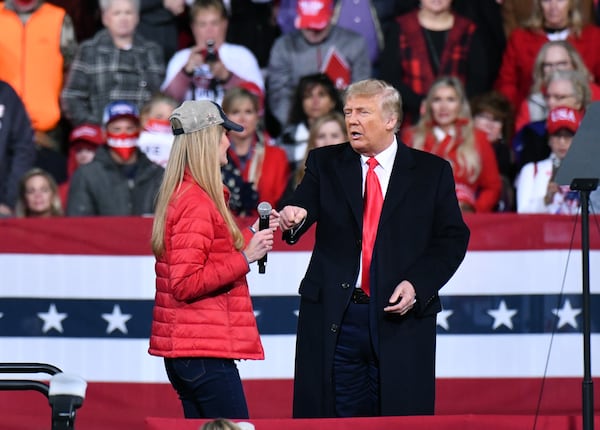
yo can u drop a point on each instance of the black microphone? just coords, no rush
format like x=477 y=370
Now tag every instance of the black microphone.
x=289 y=237
x=264 y=213
x=555 y=165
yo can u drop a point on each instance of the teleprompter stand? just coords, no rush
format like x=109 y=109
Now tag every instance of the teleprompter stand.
x=581 y=169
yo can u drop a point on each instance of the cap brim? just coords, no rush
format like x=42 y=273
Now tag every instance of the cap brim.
x=132 y=117
x=230 y=125
x=568 y=128
x=84 y=141
x=312 y=26
x=227 y=123
x=83 y=144
x=316 y=23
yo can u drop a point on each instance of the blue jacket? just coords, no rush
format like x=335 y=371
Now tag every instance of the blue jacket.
x=17 y=149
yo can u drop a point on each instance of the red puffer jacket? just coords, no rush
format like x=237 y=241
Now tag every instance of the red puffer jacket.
x=202 y=305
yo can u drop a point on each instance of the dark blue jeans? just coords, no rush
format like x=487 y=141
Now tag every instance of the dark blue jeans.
x=208 y=387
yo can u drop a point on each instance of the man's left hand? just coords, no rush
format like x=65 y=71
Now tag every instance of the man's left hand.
x=403 y=299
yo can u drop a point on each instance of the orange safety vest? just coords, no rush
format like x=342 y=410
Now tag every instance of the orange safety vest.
x=32 y=63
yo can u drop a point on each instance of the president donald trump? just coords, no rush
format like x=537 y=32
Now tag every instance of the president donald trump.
x=389 y=234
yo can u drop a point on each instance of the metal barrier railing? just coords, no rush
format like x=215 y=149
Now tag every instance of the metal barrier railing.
x=65 y=392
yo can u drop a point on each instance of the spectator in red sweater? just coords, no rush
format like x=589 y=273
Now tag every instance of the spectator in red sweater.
x=446 y=129
x=516 y=12
x=554 y=55
x=550 y=20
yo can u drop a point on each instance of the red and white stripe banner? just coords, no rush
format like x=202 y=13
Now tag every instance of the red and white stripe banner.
x=77 y=293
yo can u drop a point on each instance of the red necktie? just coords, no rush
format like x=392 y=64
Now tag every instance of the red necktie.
x=373 y=201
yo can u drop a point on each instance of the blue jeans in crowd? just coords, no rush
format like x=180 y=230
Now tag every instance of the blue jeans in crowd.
x=208 y=387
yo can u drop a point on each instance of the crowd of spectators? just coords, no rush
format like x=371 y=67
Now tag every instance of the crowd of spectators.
x=87 y=87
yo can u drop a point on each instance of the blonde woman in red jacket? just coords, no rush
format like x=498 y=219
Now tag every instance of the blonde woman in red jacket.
x=203 y=318
x=446 y=129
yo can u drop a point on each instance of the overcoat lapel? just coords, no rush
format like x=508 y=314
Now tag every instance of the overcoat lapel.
x=400 y=182
x=350 y=176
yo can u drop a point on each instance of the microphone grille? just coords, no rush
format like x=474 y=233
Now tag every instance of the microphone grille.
x=264 y=209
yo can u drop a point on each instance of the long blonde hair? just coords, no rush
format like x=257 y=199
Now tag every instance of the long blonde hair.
x=468 y=158
x=536 y=20
x=198 y=154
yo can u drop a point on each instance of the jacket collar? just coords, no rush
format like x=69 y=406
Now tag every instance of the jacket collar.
x=350 y=176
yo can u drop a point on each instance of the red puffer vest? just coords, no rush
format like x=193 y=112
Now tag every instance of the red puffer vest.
x=202 y=305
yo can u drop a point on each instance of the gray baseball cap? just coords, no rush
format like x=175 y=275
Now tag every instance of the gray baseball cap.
x=195 y=115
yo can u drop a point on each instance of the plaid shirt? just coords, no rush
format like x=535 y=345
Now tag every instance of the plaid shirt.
x=102 y=73
x=415 y=62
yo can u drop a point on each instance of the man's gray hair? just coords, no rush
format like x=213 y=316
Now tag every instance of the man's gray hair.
x=106 y=4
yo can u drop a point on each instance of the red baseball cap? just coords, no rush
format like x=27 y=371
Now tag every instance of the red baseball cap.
x=563 y=117
x=314 y=14
x=251 y=87
x=88 y=133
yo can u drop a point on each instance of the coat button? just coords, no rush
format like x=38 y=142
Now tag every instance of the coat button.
x=345 y=285
x=334 y=328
